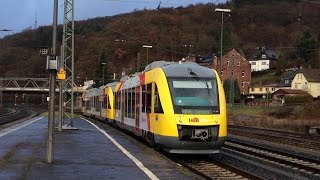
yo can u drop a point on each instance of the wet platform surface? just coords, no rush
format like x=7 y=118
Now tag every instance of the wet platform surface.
x=86 y=153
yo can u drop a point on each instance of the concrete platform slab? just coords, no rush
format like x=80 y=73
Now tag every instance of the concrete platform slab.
x=86 y=153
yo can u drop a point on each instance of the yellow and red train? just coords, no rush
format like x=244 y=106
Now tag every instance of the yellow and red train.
x=178 y=107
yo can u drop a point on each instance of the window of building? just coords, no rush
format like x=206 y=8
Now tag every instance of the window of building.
x=227 y=63
x=260 y=89
x=264 y=56
x=242 y=84
x=221 y=73
x=252 y=89
x=286 y=81
x=239 y=63
x=253 y=63
x=232 y=73
x=263 y=63
x=242 y=73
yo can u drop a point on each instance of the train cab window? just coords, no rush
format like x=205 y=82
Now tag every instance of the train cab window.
x=157 y=102
x=108 y=102
x=148 y=96
x=194 y=95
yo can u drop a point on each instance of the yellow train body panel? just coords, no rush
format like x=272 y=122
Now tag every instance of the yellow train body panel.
x=179 y=108
x=110 y=109
x=165 y=124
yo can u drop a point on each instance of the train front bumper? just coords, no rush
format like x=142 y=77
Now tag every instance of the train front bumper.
x=174 y=145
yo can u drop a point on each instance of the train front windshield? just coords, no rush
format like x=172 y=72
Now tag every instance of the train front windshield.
x=194 y=95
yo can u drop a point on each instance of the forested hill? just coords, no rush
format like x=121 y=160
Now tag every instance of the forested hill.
x=173 y=33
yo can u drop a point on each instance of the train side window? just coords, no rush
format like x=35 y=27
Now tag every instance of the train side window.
x=123 y=103
x=133 y=102
x=144 y=95
x=119 y=100
x=157 y=102
x=116 y=100
x=126 y=103
x=104 y=100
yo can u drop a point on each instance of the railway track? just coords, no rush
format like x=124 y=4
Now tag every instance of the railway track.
x=209 y=168
x=14 y=116
x=307 y=167
x=306 y=141
x=245 y=160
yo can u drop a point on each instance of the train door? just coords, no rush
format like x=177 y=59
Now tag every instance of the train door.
x=101 y=105
x=123 y=105
x=137 y=109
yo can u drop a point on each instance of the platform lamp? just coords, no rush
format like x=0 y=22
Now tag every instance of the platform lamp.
x=221 y=37
x=103 y=64
x=147 y=46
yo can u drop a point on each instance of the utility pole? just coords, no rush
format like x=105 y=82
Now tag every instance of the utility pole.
x=138 y=63
x=67 y=61
x=231 y=91
x=52 y=80
x=1 y=84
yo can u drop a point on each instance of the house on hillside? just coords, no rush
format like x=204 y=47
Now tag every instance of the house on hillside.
x=263 y=58
x=286 y=80
x=281 y=93
x=261 y=91
x=307 y=80
x=234 y=64
x=265 y=90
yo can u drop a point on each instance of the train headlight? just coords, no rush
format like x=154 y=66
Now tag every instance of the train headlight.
x=179 y=119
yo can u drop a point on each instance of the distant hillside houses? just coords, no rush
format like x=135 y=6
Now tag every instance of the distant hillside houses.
x=236 y=65
x=263 y=58
x=306 y=80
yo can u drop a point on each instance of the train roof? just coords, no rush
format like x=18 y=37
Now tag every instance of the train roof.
x=181 y=69
x=111 y=85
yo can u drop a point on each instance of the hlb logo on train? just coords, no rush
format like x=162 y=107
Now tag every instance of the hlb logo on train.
x=195 y=119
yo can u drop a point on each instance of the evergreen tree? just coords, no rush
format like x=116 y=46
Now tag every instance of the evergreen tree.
x=236 y=90
x=103 y=68
x=308 y=47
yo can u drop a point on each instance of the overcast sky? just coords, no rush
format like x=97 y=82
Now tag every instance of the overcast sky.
x=17 y=15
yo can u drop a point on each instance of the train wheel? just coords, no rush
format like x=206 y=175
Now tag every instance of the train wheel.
x=150 y=138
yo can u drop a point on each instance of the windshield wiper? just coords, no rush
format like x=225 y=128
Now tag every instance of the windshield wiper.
x=195 y=76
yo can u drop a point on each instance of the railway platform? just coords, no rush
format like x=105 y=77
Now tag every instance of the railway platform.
x=86 y=153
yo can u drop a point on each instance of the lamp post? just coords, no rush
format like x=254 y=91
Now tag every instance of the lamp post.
x=103 y=72
x=146 y=46
x=221 y=37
